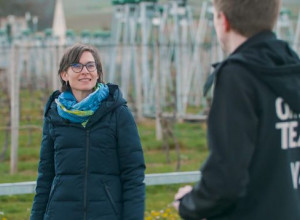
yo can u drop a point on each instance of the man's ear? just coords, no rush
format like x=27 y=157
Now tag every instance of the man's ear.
x=225 y=22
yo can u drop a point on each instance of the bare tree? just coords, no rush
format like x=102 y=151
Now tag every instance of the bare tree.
x=168 y=128
x=6 y=102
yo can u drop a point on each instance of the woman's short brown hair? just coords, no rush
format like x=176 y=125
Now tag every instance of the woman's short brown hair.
x=249 y=17
x=72 y=55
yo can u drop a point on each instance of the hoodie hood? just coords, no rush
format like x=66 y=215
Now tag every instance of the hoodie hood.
x=274 y=63
x=113 y=101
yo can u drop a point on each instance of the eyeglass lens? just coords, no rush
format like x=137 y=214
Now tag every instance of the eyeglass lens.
x=77 y=67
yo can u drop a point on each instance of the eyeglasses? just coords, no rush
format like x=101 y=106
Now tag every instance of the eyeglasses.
x=77 y=67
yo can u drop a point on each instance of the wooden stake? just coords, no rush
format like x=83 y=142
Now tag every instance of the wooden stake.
x=15 y=83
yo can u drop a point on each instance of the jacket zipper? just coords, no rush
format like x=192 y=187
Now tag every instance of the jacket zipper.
x=86 y=173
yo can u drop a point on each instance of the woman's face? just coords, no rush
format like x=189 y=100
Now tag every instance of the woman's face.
x=85 y=79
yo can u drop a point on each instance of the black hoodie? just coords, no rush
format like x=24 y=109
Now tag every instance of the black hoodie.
x=253 y=170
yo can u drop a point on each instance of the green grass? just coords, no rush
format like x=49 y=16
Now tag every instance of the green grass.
x=15 y=207
x=158 y=198
x=191 y=137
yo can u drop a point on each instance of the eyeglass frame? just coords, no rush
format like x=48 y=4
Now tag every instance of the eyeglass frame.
x=82 y=66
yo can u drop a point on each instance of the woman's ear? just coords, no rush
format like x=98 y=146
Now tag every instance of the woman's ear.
x=64 y=76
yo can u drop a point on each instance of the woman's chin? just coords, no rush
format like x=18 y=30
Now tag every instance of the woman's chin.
x=84 y=88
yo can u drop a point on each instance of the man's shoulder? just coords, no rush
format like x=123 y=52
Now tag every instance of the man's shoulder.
x=228 y=70
x=234 y=66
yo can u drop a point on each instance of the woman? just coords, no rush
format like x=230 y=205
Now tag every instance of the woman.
x=91 y=160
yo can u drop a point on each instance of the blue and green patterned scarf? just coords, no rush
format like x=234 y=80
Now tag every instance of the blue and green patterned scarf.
x=79 y=112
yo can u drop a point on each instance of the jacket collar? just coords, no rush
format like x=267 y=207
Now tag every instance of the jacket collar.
x=259 y=37
x=113 y=101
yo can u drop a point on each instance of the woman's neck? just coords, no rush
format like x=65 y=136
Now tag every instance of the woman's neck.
x=80 y=95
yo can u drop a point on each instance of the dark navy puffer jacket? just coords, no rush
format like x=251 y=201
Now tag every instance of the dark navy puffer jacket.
x=90 y=173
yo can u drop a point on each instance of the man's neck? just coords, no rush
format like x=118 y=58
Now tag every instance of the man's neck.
x=234 y=41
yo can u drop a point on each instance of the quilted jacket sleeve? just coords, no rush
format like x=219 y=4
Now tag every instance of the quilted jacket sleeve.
x=45 y=175
x=132 y=165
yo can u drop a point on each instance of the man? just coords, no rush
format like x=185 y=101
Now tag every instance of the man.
x=252 y=172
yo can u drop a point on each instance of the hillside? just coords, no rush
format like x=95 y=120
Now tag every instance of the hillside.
x=97 y=14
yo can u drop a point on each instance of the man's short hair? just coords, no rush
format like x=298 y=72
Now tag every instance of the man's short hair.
x=248 y=17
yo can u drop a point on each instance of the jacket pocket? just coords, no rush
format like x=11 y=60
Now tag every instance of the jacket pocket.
x=54 y=186
x=110 y=198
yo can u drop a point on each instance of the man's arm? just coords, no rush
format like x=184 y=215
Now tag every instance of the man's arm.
x=232 y=128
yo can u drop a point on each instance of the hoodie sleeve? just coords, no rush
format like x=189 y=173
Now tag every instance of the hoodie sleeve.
x=132 y=165
x=232 y=128
x=45 y=175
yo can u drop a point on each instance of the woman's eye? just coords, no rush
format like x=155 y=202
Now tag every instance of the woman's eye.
x=76 y=65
